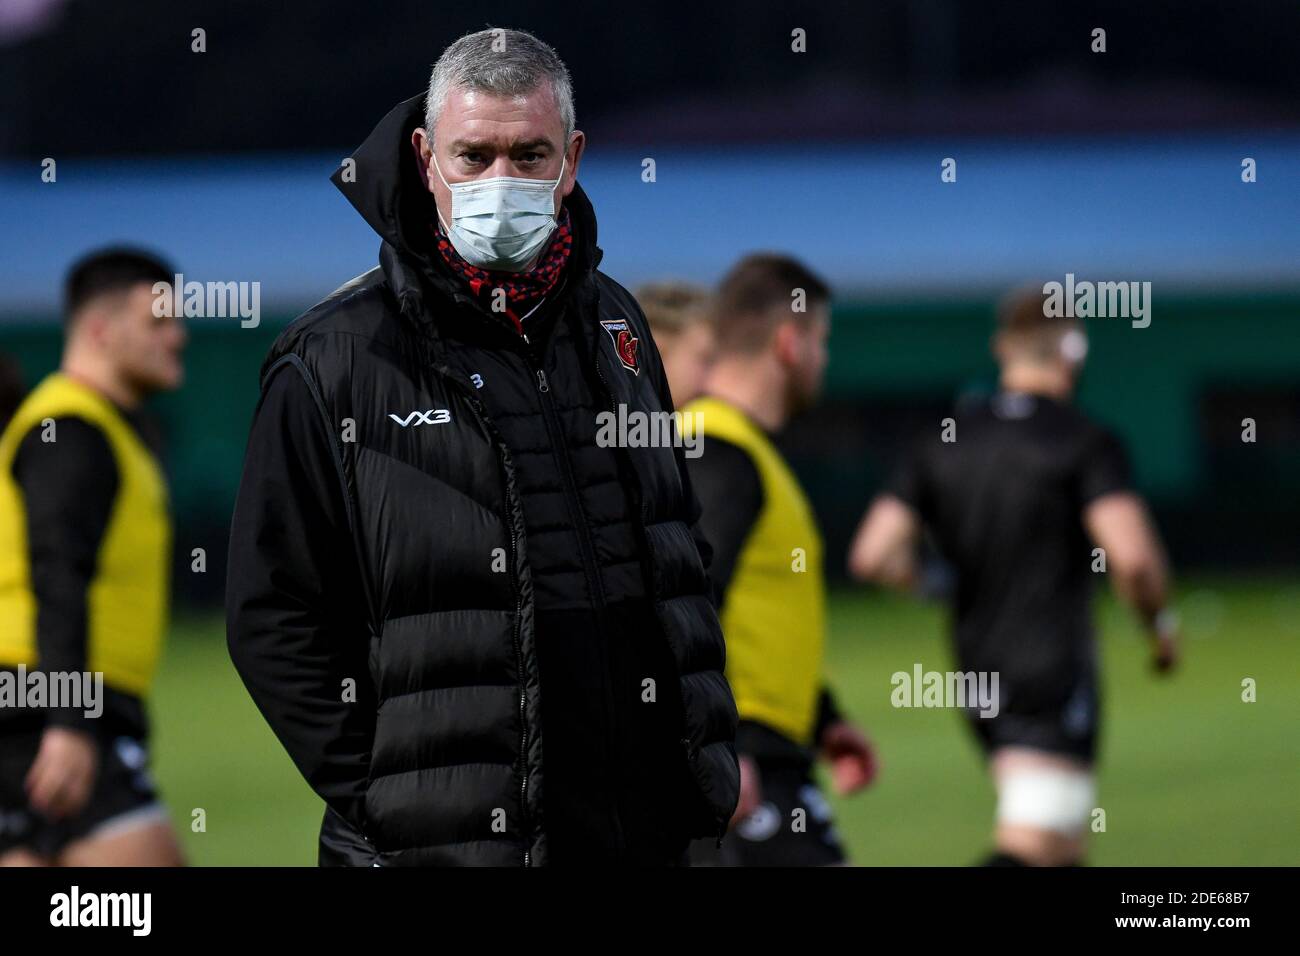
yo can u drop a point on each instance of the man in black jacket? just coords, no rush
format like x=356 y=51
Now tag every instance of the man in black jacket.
x=484 y=635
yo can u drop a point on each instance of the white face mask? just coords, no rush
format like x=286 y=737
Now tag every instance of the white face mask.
x=503 y=222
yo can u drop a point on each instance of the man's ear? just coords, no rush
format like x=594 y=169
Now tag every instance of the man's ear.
x=423 y=146
x=95 y=325
x=786 y=342
x=577 y=144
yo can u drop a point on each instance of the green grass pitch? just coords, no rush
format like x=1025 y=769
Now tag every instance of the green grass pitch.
x=1190 y=774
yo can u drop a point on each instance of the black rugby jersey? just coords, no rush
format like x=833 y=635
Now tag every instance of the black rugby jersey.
x=1004 y=503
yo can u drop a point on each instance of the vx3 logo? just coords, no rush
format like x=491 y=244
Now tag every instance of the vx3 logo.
x=434 y=416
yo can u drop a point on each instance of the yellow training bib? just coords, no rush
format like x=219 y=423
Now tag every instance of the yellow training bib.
x=774 y=611
x=128 y=596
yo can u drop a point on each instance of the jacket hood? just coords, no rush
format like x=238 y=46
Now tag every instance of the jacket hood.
x=388 y=192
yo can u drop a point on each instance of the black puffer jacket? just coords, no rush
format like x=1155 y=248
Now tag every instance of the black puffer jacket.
x=381 y=604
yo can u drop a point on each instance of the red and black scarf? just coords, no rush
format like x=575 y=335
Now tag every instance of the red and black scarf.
x=523 y=289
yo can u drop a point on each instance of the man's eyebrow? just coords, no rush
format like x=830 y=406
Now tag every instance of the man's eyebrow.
x=477 y=145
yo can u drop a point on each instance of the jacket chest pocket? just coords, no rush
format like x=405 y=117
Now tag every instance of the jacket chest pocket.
x=430 y=502
x=438 y=437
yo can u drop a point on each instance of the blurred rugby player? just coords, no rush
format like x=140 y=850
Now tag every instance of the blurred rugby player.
x=767 y=568
x=1016 y=503
x=681 y=323
x=85 y=554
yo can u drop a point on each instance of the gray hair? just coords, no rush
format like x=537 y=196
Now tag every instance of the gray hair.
x=501 y=62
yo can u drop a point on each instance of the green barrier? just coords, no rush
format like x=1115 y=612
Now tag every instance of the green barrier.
x=1205 y=362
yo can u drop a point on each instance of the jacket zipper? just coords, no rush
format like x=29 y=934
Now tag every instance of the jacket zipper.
x=577 y=515
x=691 y=750
x=481 y=414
